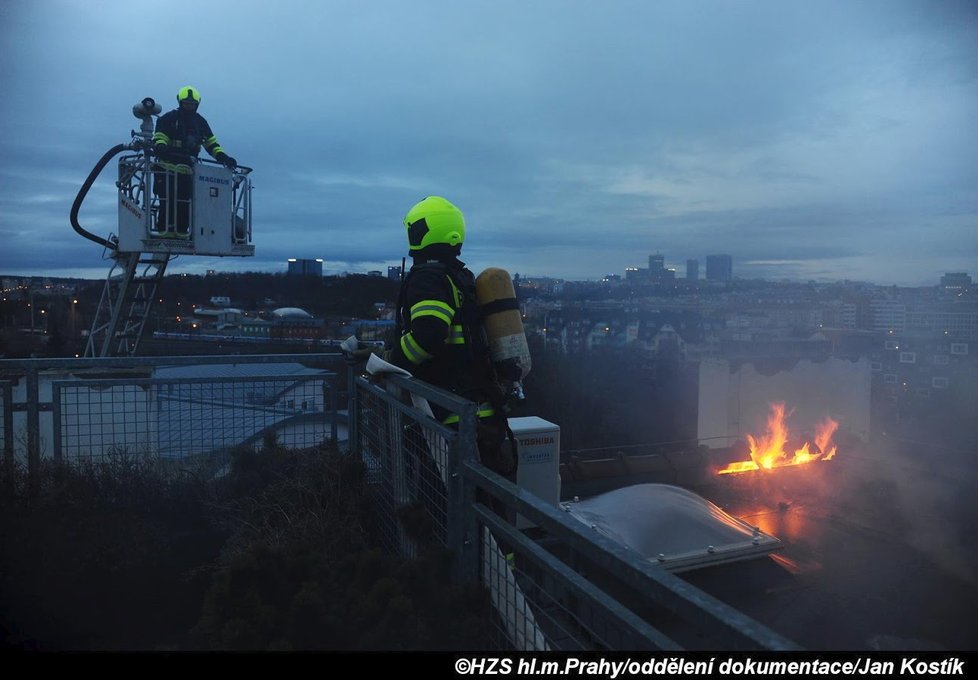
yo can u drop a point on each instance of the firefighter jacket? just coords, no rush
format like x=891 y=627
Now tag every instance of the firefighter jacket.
x=179 y=136
x=441 y=339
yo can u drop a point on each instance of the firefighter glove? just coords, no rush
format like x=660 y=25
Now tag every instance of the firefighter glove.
x=227 y=160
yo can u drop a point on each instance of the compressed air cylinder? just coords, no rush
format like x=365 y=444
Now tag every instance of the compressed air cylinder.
x=503 y=323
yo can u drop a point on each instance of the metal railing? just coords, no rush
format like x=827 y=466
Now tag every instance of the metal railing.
x=72 y=409
x=7 y=420
x=556 y=586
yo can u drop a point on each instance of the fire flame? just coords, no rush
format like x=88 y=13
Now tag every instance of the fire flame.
x=767 y=451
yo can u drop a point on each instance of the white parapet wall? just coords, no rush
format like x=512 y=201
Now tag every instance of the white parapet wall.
x=735 y=397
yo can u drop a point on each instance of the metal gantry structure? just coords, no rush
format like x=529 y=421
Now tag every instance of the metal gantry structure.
x=125 y=303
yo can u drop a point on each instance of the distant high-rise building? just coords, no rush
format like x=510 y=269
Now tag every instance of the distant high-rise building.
x=955 y=282
x=394 y=273
x=719 y=267
x=692 y=270
x=298 y=267
x=657 y=263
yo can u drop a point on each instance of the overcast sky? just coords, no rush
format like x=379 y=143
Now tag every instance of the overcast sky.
x=809 y=139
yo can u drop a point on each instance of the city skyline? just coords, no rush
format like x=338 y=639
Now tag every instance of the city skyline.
x=810 y=142
x=293 y=266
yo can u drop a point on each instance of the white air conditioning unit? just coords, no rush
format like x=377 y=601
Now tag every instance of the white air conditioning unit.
x=538 y=442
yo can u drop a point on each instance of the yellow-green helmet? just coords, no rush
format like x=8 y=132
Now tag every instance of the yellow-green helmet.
x=188 y=93
x=434 y=221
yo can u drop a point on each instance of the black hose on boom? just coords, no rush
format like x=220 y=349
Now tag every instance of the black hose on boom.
x=84 y=192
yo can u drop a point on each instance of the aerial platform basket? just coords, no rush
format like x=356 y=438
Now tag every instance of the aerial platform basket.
x=216 y=207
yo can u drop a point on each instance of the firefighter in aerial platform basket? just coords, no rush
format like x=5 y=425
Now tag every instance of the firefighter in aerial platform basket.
x=442 y=329
x=176 y=143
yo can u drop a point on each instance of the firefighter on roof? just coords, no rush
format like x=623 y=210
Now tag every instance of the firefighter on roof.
x=440 y=335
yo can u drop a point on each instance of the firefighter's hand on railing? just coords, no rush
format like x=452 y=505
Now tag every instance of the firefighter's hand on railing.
x=226 y=160
x=361 y=351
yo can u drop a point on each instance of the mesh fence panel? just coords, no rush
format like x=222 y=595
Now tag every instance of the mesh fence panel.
x=97 y=420
x=185 y=417
x=6 y=419
x=540 y=607
x=406 y=456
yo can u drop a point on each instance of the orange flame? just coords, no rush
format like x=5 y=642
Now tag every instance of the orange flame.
x=823 y=437
x=767 y=451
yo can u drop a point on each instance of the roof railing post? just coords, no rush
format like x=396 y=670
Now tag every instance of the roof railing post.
x=33 y=429
x=462 y=521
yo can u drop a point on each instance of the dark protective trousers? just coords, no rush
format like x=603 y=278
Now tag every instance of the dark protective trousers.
x=175 y=191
